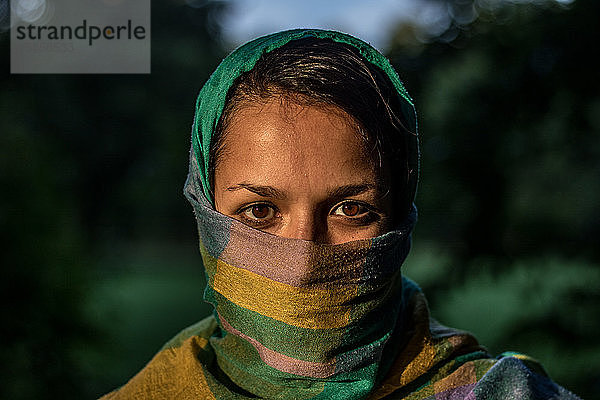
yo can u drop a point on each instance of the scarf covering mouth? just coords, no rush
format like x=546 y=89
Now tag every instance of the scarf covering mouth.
x=299 y=319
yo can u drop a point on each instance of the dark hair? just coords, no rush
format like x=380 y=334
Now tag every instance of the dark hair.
x=320 y=71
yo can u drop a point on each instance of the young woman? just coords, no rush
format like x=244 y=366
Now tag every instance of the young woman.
x=303 y=172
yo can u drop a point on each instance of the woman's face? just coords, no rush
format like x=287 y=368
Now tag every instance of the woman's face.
x=299 y=172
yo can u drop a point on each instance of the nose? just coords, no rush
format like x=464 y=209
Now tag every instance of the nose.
x=306 y=225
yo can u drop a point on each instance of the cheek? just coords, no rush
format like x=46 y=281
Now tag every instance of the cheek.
x=338 y=233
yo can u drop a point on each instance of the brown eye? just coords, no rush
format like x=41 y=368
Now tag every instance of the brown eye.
x=258 y=212
x=355 y=213
x=350 y=210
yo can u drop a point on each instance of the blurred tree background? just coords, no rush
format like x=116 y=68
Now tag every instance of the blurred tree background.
x=98 y=244
x=506 y=244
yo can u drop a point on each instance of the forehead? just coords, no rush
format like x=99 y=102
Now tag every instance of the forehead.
x=281 y=121
x=284 y=142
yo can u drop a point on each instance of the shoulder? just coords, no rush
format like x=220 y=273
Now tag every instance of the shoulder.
x=203 y=329
x=174 y=372
x=511 y=376
x=516 y=376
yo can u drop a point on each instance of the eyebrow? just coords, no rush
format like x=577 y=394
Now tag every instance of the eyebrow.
x=351 y=190
x=264 y=191
x=270 y=191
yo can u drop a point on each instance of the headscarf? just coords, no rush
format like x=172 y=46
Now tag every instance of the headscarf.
x=211 y=100
x=295 y=319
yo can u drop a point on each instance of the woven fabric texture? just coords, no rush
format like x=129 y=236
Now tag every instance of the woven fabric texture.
x=434 y=363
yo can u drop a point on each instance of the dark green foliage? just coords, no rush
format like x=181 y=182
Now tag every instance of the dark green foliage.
x=99 y=257
x=42 y=254
x=506 y=245
x=88 y=162
x=510 y=132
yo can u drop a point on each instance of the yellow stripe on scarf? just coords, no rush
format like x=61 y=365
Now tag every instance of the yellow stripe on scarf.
x=298 y=306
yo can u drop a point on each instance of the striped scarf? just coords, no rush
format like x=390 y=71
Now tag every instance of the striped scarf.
x=432 y=363
x=299 y=319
